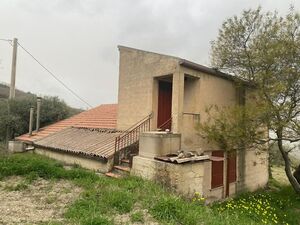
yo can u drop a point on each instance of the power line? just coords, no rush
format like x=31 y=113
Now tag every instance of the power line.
x=2 y=39
x=55 y=77
x=7 y=40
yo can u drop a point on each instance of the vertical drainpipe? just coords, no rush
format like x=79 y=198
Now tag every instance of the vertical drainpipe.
x=38 y=112
x=31 y=121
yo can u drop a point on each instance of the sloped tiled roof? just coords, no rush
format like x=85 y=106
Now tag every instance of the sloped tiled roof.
x=103 y=116
x=82 y=141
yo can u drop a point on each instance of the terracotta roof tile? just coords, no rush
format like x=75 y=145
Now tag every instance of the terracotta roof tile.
x=103 y=116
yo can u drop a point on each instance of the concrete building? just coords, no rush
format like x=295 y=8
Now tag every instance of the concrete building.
x=177 y=93
x=161 y=99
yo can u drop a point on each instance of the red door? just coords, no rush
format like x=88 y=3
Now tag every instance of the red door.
x=164 y=105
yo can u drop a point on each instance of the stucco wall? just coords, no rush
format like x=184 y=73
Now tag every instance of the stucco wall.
x=184 y=178
x=256 y=170
x=136 y=84
x=91 y=164
x=199 y=94
x=192 y=92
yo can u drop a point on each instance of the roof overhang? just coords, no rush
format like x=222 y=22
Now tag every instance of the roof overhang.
x=214 y=72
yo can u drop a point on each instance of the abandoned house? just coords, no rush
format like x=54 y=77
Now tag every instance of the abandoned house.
x=161 y=99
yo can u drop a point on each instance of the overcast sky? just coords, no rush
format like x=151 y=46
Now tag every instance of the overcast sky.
x=77 y=39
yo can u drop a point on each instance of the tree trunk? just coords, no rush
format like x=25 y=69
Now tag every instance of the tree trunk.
x=288 y=172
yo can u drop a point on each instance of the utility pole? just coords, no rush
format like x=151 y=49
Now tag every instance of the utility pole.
x=12 y=90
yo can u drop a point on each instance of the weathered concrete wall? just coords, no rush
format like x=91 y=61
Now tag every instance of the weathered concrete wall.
x=184 y=178
x=91 y=164
x=136 y=96
x=192 y=92
x=191 y=114
x=200 y=93
x=16 y=146
x=158 y=144
x=256 y=170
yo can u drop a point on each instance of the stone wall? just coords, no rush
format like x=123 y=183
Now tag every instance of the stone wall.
x=185 y=178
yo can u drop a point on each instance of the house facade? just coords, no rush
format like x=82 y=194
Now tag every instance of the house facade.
x=176 y=92
x=161 y=99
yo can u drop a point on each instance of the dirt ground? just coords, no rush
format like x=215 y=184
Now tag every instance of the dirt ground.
x=41 y=201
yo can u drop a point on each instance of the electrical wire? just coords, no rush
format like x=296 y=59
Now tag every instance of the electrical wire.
x=7 y=40
x=55 y=77
x=2 y=39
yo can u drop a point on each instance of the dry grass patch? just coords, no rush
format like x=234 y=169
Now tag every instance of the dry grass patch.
x=35 y=203
x=137 y=216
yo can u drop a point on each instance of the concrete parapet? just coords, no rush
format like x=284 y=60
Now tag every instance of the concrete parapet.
x=158 y=144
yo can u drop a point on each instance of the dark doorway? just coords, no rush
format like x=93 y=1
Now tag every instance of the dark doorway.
x=164 y=105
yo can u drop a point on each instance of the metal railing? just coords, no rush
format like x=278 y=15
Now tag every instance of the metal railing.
x=166 y=125
x=131 y=135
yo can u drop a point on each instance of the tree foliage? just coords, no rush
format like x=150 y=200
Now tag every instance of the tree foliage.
x=234 y=128
x=263 y=48
x=14 y=114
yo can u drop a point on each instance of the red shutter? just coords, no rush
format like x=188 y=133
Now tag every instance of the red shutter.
x=232 y=168
x=217 y=170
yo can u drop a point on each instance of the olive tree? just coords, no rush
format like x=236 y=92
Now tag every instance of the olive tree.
x=14 y=114
x=263 y=49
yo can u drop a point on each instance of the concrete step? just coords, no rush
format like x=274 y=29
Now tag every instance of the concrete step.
x=125 y=161
x=113 y=175
x=125 y=169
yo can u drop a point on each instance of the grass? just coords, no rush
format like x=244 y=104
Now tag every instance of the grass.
x=2 y=148
x=103 y=199
x=137 y=217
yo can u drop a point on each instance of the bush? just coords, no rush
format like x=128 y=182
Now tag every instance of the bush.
x=14 y=114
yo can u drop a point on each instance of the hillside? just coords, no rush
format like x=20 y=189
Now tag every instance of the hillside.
x=62 y=194
x=4 y=92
